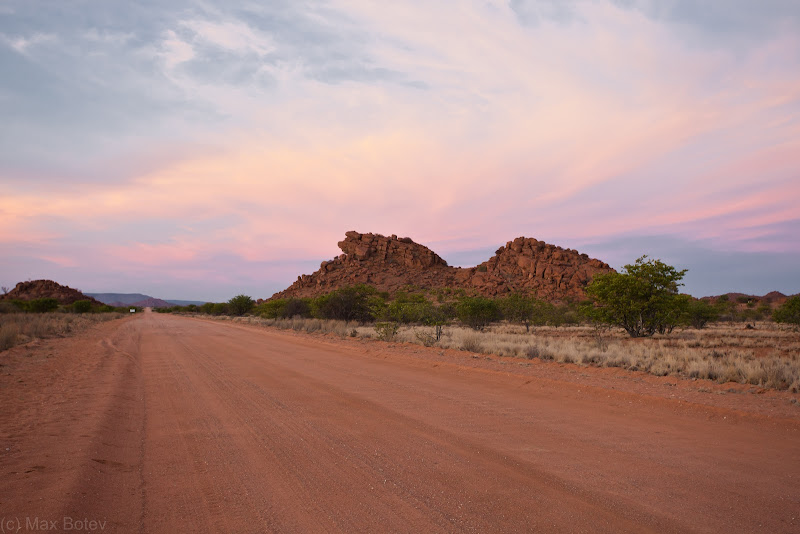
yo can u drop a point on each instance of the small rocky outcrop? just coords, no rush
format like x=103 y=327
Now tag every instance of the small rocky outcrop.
x=390 y=264
x=41 y=289
x=526 y=265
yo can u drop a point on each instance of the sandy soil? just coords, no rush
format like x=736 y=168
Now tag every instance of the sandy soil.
x=158 y=423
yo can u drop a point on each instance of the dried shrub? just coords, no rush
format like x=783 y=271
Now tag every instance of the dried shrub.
x=471 y=344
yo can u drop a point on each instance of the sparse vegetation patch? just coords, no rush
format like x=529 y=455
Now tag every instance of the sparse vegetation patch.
x=18 y=328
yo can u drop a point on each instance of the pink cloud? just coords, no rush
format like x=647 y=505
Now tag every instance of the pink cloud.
x=608 y=125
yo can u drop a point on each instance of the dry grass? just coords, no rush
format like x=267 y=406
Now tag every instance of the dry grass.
x=18 y=328
x=339 y=328
x=768 y=356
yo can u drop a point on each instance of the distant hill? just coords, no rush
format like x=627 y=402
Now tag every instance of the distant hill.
x=140 y=299
x=187 y=302
x=152 y=303
x=41 y=289
x=741 y=300
x=119 y=299
x=524 y=265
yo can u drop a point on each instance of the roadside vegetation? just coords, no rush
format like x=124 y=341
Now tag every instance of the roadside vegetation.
x=635 y=319
x=23 y=321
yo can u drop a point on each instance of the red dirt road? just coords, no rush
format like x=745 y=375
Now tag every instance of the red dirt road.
x=165 y=424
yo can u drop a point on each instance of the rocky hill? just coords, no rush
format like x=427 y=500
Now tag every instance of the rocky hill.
x=40 y=289
x=524 y=265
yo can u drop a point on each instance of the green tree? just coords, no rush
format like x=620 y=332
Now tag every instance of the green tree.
x=643 y=298
x=240 y=304
x=477 y=312
x=438 y=317
x=788 y=312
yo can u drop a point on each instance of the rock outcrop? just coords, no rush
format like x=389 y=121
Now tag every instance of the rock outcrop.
x=390 y=264
x=526 y=265
x=40 y=289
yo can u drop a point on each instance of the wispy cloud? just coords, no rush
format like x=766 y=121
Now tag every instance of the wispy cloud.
x=572 y=122
x=23 y=44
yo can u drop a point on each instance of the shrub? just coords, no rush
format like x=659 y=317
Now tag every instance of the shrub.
x=386 y=330
x=788 y=312
x=43 y=305
x=20 y=305
x=272 y=309
x=477 y=312
x=82 y=306
x=8 y=307
x=426 y=338
x=360 y=303
x=471 y=344
x=219 y=308
x=698 y=313
x=409 y=309
x=240 y=305
x=8 y=336
x=535 y=351
x=298 y=307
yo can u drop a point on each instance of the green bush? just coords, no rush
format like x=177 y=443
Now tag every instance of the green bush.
x=272 y=309
x=105 y=308
x=240 y=305
x=788 y=312
x=298 y=307
x=284 y=308
x=698 y=313
x=360 y=303
x=477 y=312
x=42 y=305
x=409 y=311
x=547 y=313
x=219 y=308
x=82 y=306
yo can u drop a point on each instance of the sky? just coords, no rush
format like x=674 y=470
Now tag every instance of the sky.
x=203 y=149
